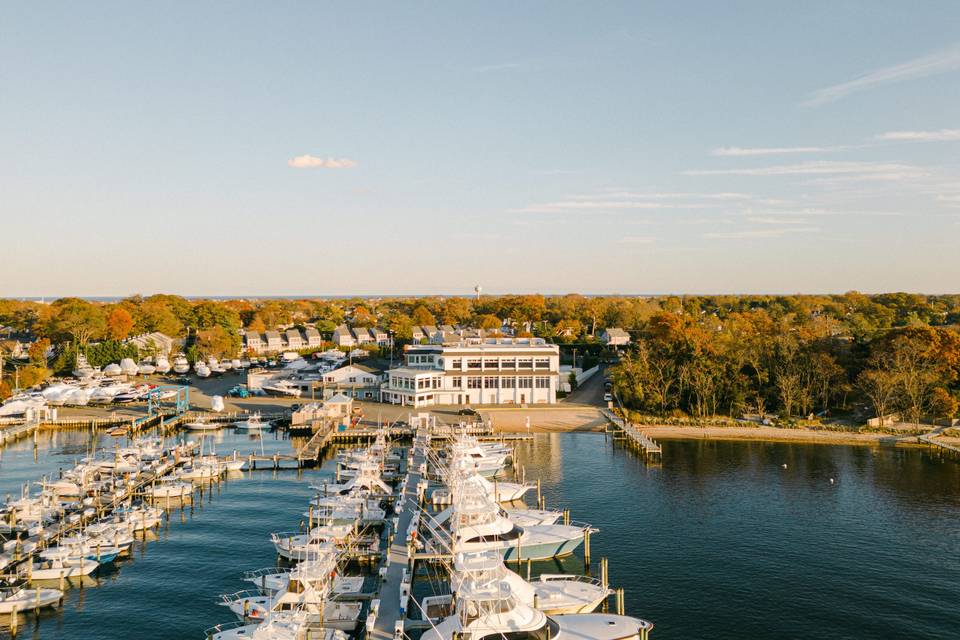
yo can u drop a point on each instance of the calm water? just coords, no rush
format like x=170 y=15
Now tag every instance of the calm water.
x=718 y=541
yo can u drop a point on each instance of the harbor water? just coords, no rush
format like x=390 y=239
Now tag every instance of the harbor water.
x=720 y=540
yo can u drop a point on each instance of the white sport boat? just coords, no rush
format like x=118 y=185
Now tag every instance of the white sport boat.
x=83 y=368
x=287 y=625
x=202 y=370
x=252 y=423
x=56 y=568
x=169 y=490
x=129 y=367
x=180 y=364
x=202 y=424
x=282 y=388
x=21 y=599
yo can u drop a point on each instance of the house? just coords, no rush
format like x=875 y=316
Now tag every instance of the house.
x=358 y=381
x=380 y=336
x=253 y=341
x=295 y=340
x=362 y=335
x=314 y=339
x=274 y=341
x=615 y=337
x=342 y=337
x=428 y=331
x=417 y=334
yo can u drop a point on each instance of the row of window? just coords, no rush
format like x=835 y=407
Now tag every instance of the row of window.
x=505 y=382
x=456 y=364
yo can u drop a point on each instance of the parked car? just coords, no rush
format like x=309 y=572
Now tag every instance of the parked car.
x=608 y=397
x=467 y=411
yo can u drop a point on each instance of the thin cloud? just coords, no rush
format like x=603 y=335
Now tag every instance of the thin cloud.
x=637 y=240
x=813 y=167
x=312 y=162
x=601 y=206
x=943 y=135
x=933 y=64
x=769 y=151
x=759 y=233
x=778 y=221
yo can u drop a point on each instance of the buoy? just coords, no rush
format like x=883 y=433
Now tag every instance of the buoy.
x=784 y=465
x=831 y=480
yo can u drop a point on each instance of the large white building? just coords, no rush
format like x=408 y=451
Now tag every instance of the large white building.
x=489 y=371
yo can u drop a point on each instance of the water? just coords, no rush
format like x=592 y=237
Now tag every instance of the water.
x=718 y=541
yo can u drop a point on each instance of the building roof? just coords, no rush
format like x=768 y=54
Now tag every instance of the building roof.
x=272 y=335
x=616 y=332
x=311 y=332
x=294 y=333
x=252 y=336
x=339 y=398
x=343 y=330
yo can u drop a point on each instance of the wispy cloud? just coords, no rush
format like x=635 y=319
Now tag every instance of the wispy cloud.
x=601 y=206
x=637 y=240
x=312 y=162
x=770 y=151
x=933 y=64
x=759 y=233
x=777 y=220
x=942 y=135
x=813 y=167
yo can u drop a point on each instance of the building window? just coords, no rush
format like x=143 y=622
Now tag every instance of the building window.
x=456 y=382
x=525 y=363
x=525 y=382
x=508 y=363
x=455 y=364
x=508 y=382
x=473 y=363
x=473 y=382
x=491 y=382
x=543 y=382
x=490 y=363
x=436 y=382
x=353 y=378
x=542 y=363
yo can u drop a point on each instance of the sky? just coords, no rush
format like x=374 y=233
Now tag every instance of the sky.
x=285 y=148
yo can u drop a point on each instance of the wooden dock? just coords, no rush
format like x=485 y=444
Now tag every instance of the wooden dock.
x=632 y=434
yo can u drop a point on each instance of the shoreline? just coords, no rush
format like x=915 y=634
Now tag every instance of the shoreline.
x=749 y=434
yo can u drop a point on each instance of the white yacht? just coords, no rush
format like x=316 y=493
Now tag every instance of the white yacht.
x=56 y=568
x=129 y=367
x=112 y=369
x=492 y=610
x=202 y=424
x=180 y=364
x=201 y=369
x=147 y=368
x=83 y=368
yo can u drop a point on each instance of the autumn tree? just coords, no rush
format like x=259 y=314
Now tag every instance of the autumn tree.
x=421 y=316
x=119 y=323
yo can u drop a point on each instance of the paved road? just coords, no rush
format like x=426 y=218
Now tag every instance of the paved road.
x=590 y=392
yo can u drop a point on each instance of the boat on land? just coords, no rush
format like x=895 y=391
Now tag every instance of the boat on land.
x=282 y=389
x=180 y=364
x=162 y=365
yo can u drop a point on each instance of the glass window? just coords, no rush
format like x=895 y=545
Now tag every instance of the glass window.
x=455 y=381
x=509 y=382
x=543 y=363
x=543 y=382
x=473 y=382
x=524 y=363
x=473 y=363
x=525 y=382
x=508 y=363
x=491 y=382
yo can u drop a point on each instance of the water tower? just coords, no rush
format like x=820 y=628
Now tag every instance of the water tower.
x=478 y=289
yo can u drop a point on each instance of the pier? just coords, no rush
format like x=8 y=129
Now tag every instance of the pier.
x=632 y=434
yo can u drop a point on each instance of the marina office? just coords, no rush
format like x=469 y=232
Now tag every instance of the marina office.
x=487 y=371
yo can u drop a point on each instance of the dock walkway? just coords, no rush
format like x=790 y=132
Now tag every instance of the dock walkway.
x=632 y=433
x=394 y=595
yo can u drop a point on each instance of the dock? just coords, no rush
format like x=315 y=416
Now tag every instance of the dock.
x=394 y=595
x=632 y=434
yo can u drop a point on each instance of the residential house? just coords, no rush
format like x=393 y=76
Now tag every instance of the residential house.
x=615 y=337
x=274 y=341
x=295 y=340
x=253 y=342
x=362 y=335
x=314 y=339
x=358 y=381
x=342 y=337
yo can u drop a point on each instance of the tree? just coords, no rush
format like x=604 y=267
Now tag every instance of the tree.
x=880 y=386
x=362 y=317
x=38 y=351
x=119 y=323
x=942 y=404
x=489 y=322
x=76 y=319
x=421 y=316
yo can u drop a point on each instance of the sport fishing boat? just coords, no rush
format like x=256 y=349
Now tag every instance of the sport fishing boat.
x=56 y=568
x=162 y=365
x=286 y=625
x=169 y=489
x=320 y=541
x=492 y=610
x=180 y=364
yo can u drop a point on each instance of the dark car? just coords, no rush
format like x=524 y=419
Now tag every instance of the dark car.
x=467 y=411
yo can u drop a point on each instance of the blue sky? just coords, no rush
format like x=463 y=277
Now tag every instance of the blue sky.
x=287 y=148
